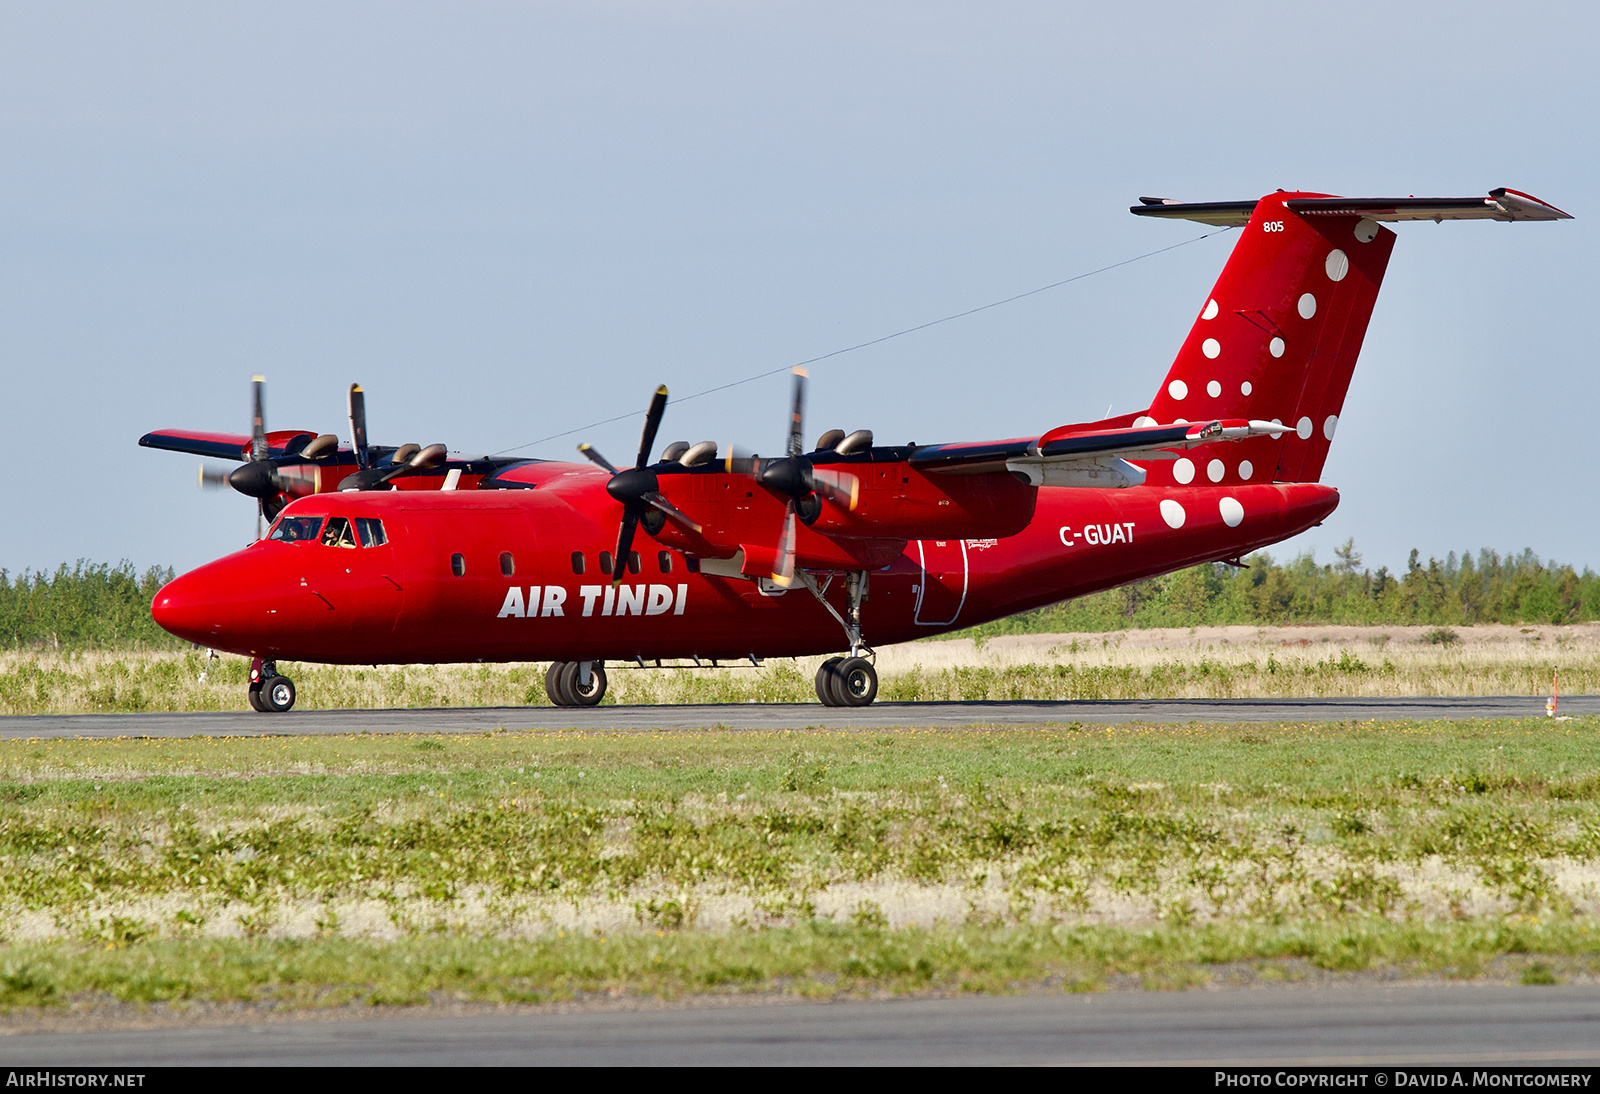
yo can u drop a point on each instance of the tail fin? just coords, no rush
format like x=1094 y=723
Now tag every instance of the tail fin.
x=1277 y=339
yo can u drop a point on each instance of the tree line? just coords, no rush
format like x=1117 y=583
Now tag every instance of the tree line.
x=98 y=606
x=87 y=606
x=1460 y=590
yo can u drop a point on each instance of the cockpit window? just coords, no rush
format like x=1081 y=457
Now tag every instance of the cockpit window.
x=338 y=534
x=370 y=529
x=294 y=529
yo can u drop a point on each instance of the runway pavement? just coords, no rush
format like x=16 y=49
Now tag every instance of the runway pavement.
x=755 y=716
x=1442 y=1024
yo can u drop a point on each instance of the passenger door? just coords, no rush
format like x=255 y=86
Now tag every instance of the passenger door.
x=942 y=584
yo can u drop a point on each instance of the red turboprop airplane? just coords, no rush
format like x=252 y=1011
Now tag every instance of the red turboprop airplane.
x=407 y=555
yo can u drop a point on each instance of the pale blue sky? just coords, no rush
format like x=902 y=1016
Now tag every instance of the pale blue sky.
x=509 y=220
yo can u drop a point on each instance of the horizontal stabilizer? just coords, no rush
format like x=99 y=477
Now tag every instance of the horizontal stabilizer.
x=1501 y=204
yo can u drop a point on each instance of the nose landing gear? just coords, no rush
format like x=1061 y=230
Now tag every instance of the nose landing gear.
x=269 y=692
x=575 y=683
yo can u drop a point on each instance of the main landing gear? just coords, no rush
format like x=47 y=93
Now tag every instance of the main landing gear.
x=575 y=683
x=846 y=681
x=269 y=692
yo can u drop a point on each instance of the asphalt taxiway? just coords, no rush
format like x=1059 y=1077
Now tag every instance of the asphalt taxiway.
x=769 y=716
x=1430 y=1023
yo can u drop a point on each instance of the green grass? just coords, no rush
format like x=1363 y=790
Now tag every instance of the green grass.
x=527 y=866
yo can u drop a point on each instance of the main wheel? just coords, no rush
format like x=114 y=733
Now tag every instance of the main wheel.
x=828 y=682
x=277 y=693
x=572 y=684
x=553 y=684
x=255 y=699
x=857 y=682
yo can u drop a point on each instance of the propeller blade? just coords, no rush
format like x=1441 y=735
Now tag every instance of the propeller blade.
x=840 y=487
x=783 y=574
x=595 y=457
x=797 y=416
x=739 y=461
x=358 y=426
x=678 y=515
x=619 y=564
x=652 y=422
x=212 y=478
x=258 y=417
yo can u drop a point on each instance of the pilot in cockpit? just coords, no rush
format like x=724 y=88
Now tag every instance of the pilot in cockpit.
x=338 y=533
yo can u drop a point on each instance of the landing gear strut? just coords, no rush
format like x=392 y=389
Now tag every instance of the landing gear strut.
x=269 y=692
x=846 y=681
x=575 y=683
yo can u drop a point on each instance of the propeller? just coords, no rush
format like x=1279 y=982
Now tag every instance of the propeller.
x=801 y=482
x=371 y=476
x=637 y=487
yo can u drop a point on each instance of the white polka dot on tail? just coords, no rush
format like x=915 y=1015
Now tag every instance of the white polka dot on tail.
x=1213 y=389
x=1211 y=348
x=1275 y=347
x=1338 y=265
x=1183 y=471
x=1303 y=428
x=1307 y=306
x=1232 y=512
x=1143 y=420
x=1172 y=513
x=1246 y=469
x=1245 y=388
x=1330 y=425
x=1178 y=389
x=1211 y=310
x=1214 y=470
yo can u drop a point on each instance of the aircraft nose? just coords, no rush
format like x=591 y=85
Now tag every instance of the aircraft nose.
x=180 y=607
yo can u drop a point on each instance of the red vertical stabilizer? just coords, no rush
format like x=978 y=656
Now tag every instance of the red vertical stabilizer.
x=1277 y=339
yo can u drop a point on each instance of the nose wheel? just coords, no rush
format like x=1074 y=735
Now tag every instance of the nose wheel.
x=269 y=692
x=575 y=683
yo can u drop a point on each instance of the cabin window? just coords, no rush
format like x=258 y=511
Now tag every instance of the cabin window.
x=296 y=529
x=458 y=565
x=338 y=534
x=691 y=564
x=664 y=561
x=634 y=565
x=605 y=563
x=508 y=565
x=370 y=531
x=578 y=562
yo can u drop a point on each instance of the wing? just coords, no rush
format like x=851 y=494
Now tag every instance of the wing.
x=226 y=446
x=221 y=446
x=1094 y=458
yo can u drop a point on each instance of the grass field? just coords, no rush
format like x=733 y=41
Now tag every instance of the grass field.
x=1206 y=662
x=531 y=866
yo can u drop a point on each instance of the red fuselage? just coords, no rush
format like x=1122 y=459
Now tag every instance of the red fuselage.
x=404 y=601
